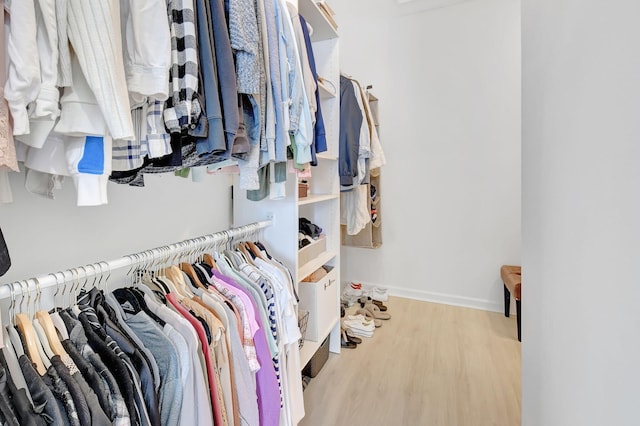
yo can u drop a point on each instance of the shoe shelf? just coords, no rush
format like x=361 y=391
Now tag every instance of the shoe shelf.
x=315 y=263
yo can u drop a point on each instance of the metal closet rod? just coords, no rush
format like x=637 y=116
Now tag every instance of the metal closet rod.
x=151 y=257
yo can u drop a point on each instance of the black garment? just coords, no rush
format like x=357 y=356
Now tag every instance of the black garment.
x=91 y=376
x=147 y=384
x=62 y=396
x=204 y=279
x=109 y=322
x=20 y=401
x=82 y=410
x=307 y=228
x=41 y=395
x=5 y=259
x=105 y=346
x=134 y=300
x=9 y=416
x=201 y=320
x=112 y=361
x=98 y=417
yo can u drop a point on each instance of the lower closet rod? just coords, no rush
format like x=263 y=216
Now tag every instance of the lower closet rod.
x=166 y=253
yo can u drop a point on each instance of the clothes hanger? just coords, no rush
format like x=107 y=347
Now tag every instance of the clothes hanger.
x=139 y=279
x=55 y=316
x=208 y=259
x=172 y=275
x=9 y=332
x=47 y=325
x=188 y=269
x=255 y=250
x=29 y=335
x=242 y=248
x=43 y=344
x=176 y=277
x=43 y=348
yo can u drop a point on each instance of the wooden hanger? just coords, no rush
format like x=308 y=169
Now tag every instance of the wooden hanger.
x=30 y=341
x=44 y=319
x=209 y=260
x=256 y=250
x=243 y=249
x=180 y=282
x=188 y=269
x=170 y=273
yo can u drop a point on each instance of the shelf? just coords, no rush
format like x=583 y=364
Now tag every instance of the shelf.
x=310 y=347
x=311 y=266
x=322 y=29
x=326 y=91
x=327 y=156
x=306 y=352
x=316 y=198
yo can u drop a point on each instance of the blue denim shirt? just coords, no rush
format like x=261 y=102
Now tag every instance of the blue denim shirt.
x=319 y=137
x=350 y=123
x=226 y=72
x=214 y=142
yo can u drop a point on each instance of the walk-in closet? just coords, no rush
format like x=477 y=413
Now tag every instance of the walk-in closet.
x=319 y=212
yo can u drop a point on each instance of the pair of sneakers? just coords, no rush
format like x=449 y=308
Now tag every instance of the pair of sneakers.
x=351 y=293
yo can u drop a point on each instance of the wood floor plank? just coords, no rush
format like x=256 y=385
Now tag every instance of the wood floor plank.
x=431 y=364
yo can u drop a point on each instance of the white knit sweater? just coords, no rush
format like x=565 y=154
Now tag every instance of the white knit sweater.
x=94 y=32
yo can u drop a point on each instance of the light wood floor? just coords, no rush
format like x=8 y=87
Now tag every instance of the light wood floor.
x=429 y=365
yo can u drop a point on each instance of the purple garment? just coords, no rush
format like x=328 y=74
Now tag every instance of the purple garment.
x=266 y=381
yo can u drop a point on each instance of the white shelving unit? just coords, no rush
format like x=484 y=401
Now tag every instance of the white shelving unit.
x=321 y=206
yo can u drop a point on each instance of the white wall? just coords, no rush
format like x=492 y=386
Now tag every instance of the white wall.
x=581 y=212
x=448 y=80
x=49 y=235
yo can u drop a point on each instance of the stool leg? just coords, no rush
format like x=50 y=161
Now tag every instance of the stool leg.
x=518 y=319
x=507 y=301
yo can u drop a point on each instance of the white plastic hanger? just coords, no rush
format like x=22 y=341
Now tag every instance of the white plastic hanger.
x=55 y=316
x=43 y=348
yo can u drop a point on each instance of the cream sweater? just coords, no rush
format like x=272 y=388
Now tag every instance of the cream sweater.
x=94 y=32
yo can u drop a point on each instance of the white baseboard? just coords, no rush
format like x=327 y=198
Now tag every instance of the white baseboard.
x=446 y=299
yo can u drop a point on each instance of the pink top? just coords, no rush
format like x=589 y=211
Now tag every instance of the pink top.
x=215 y=400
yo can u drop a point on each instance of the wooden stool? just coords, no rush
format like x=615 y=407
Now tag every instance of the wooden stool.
x=512 y=279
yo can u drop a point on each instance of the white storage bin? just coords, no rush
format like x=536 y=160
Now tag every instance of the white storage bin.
x=321 y=301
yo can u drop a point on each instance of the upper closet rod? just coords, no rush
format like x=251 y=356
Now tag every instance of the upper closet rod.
x=164 y=253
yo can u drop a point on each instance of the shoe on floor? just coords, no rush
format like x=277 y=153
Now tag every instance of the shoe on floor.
x=376 y=313
x=380 y=294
